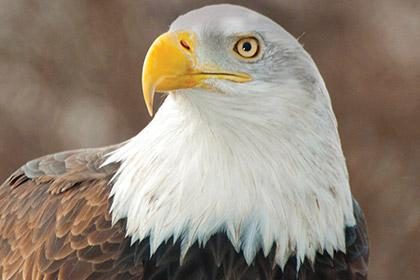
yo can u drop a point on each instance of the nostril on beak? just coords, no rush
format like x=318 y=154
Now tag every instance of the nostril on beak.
x=185 y=45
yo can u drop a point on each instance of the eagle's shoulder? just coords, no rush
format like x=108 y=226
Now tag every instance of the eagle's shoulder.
x=55 y=221
x=65 y=170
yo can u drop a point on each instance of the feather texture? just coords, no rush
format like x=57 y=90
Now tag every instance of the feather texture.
x=69 y=235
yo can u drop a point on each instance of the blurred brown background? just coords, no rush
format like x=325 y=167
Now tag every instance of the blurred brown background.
x=70 y=72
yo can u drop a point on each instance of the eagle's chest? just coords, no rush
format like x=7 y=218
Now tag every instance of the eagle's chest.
x=190 y=180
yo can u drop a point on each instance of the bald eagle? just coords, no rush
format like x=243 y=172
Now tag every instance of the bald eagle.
x=239 y=175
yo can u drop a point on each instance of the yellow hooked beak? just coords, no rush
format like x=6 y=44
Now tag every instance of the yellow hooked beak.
x=171 y=64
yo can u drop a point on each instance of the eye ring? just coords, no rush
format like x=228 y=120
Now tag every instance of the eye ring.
x=248 y=47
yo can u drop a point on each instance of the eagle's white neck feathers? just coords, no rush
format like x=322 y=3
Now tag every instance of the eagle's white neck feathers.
x=205 y=164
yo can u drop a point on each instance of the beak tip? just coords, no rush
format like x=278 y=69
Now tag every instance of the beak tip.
x=149 y=106
x=150 y=111
x=149 y=96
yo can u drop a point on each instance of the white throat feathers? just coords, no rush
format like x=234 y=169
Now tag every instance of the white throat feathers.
x=206 y=164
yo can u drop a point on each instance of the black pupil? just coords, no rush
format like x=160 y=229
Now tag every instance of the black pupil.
x=246 y=46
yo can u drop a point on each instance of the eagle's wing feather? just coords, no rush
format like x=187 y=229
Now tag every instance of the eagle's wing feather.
x=55 y=221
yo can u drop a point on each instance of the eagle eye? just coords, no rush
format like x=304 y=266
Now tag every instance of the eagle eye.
x=248 y=47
